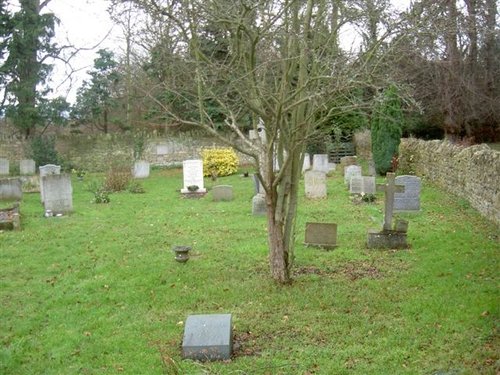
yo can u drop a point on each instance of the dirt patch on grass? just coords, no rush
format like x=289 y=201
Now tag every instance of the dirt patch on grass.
x=245 y=344
x=352 y=270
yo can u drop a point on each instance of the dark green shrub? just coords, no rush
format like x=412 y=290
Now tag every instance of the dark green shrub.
x=386 y=129
x=43 y=151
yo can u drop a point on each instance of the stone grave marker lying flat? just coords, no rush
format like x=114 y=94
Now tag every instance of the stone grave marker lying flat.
x=323 y=235
x=11 y=189
x=208 y=337
x=222 y=193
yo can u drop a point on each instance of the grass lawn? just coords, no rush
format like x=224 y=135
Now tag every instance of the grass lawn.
x=99 y=291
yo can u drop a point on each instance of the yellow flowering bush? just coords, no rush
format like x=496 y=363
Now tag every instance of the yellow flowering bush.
x=219 y=162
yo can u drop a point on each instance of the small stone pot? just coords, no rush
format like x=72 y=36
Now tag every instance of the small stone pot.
x=181 y=253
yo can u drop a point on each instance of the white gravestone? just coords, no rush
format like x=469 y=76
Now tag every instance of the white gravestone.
x=58 y=193
x=350 y=171
x=46 y=170
x=409 y=200
x=253 y=135
x=4 y=167
x=315 y=184
x=307 y=163
x=192 y=172
x=27 y=167
x=141 y=169
x=320 y=163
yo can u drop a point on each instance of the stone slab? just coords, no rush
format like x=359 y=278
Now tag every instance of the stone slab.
x=222 y=193
x=322 y=235
x=208 y=337
x=409 y=200
x=315 y=184
x=386 y=240
x=11 y=189
x=259 y=207
x=141 y=169
x=320 y=163
x=58 y=193
x=27 y=167
x=192 y=173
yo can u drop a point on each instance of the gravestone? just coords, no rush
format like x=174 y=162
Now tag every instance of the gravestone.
x=351 y=171
x=253 y=135
x=192 y=172
x=332 y=167
x=356 y=185
x=388 y=237
x=46 y=170
x=222 y=193
x=347 y=161
x=27 y=167
x=11 y=189
x=258 y=188
x=320 y=163
x=371 y=168
x=323 y=235
x=369 y=186
x=315 y=184
x=259 y=207
x=409 y=200
x=58 y=193
x=141 y=169
x=208 y=337
x=306 y=165
x=4 y=167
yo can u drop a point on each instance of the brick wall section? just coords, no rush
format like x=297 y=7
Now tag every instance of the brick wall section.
x=471 y=173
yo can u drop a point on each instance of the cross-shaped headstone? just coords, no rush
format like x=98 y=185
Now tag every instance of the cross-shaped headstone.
x=389 y=188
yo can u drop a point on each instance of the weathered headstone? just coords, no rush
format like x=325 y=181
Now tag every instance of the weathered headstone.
x=369 y=186
x=27 y=167
x=258 y=188
x=409 y=200
x=192 y=171
x=388 y=237
x=259 y=206
x=307 y=163
x=222 y=193
x=141 y=169
x=11 y=189
x=371 y=168
x=315 y=184
x=208 y=337
x=46 y=170
x=347 y=161
x=356 y=185
x=332 y=167
x=351 y=171
x=58 y=193
x=4 y=167
x=253 y=135
x=322 y=235
x=320 y=163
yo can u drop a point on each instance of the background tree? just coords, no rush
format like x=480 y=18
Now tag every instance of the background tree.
x=96 y=98
x=386 y=129
x=25 y=69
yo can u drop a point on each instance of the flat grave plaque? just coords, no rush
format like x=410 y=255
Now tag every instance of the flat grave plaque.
x=323 y=235
x=207 y=337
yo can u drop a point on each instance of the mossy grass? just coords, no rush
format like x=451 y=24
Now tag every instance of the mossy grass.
x=99 y=291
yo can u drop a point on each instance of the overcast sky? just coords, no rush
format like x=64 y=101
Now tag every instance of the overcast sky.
x=86 y=24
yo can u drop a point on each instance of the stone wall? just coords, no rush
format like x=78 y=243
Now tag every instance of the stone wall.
x=471 y=173
x=96 y=153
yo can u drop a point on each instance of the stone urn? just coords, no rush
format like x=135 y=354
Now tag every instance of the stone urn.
x=181 y=253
